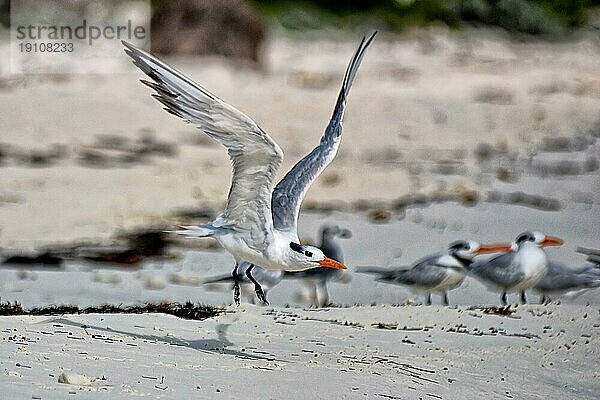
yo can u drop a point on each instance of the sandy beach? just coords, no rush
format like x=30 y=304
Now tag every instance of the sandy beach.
x=447 y=136
x=256 y=352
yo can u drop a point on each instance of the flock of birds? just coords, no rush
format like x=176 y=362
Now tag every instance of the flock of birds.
x=516 y=267
x=512 y=267
x=258 y=226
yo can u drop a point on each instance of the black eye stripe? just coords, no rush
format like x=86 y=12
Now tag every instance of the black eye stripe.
x=459 y=245
x=296 y=247
x=525 y=237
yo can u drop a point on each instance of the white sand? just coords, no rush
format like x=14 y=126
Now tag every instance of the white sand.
x=253 y=352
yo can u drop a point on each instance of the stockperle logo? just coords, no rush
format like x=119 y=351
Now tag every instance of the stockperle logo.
x=89 y=33
x=84 y=36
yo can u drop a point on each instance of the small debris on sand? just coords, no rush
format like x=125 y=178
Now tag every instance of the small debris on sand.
x=74 y=379
x=506 y=311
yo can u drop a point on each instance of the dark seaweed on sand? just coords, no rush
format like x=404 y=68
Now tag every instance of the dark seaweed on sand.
x=188 y=310
x=506 y=311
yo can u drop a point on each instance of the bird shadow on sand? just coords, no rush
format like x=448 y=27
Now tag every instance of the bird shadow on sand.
x=218 y=346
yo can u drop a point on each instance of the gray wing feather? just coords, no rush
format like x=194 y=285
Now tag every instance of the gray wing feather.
x=560 y=277
x=501 y=270
x=422 y=276
x=290 y=191
x=255 y=156
x=383 y=274
x=425 y=273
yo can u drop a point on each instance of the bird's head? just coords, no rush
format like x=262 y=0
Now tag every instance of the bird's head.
x=537 y=238
x=311 y=257
x=329 y=232
x=468 y=249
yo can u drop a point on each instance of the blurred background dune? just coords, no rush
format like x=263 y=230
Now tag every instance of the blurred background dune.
x=467 y=101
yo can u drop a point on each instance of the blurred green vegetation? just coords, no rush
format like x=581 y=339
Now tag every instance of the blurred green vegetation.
x=553 y=19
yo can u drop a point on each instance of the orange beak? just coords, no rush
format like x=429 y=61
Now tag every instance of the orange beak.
x=331 y=263
x=552 y=241
x=494 y=248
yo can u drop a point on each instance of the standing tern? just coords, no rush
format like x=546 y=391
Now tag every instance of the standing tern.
x=561 y=279
x=316 y=279
x=593 y=255
x=438 y=272
x=259 y=223
x=519 y=269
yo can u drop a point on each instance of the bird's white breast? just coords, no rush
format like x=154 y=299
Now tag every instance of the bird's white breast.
x=454 y=278
x=240 y=250
x=449 y=261
x=533 y=263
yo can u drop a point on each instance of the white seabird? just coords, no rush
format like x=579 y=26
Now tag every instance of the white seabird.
x=314 y=278
x=437 y=273
x=519 y=269
x=259 y=222
x=561 y=279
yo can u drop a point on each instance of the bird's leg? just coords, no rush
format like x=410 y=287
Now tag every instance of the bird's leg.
x=257 y=288
x=523 y=297
x=445 y=298
x=428 y=301
x=503 y=298
x=236 y=286
x=314 y=298
x=325 y=298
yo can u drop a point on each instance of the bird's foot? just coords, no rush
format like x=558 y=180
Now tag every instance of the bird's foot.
x=523 y=298
x=260 y=295
x=445 y=301
x=257 y=288
x=236 y=293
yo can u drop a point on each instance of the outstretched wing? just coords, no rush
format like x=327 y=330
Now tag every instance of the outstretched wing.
x=253 y=153
x=290 y=191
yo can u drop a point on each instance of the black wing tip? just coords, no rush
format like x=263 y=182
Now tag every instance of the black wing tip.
x=138 y=55
x=370 y=38
x=349 y=75
x=357 y=57
x=130 y=49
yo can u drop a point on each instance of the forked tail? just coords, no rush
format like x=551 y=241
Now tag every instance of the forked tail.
x=382 y=274
x=196 y=231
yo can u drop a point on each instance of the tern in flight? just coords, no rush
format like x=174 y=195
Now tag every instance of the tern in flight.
x=259 y=222
x=519 y=269
x=438 y=272
x=315 y=278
